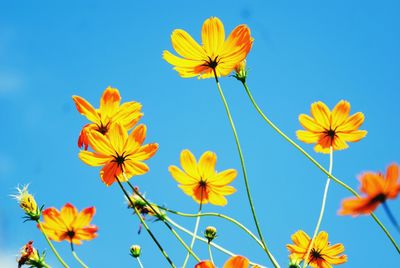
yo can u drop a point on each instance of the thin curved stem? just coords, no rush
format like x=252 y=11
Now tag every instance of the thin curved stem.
x=321 y=213
x=215 y=245
x=51 y=245
x=139 y=262
x=210 y=253
x=391 y=216
x=161 y=217
x=145 y=225
x=196 y=228
x=77 y=258
x=316 y=163
x=212 y=214
x=270 y=256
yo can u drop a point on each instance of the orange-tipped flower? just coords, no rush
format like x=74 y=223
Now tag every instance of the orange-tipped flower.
x=110 y=111
x=322 y=255
x=326 y=128
x=120 y=155
x=377 y=189
x=201 y=181
x=69 y=224
x=233 y=262
x=215 y=53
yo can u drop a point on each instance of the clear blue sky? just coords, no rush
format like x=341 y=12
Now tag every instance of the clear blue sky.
x=303 y=52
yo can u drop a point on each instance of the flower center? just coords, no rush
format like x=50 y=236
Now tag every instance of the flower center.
x=103 y=128
x=331 y=133
x=120 y=159
x=380 y=198
x=71 y=234
x=212 y=63
x=315 y=255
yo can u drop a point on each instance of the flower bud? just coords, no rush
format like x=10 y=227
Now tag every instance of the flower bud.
x=210 y=233
x=28 y=203
x=135 y=251
x=30 y=256
x=241 y=71
x=294 y=262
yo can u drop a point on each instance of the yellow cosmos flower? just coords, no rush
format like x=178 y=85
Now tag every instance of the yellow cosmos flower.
x=119 y=153
x=326 y=128
x=110 y=111
x=69 y=224
x=201 y=181
x=214 y=55
x=322 y=255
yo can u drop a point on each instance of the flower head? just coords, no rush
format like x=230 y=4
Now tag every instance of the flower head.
x=28 y=203
x=326 y=128
x=135 y=251
x=233 y=262
x=200 y=180
x=69 y=224
x=120 y=154
x=377 y=188
x=322 y=254
x=143 y=208
x=241 y=71
x=210 y=233
x=30 y=256
x=110 y=111
x=215 y=53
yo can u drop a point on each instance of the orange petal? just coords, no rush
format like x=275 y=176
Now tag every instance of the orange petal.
x=109 y=172
x=135 y=139
x=145 y=152
x=391 y=184
x=237 y=262
x=213 y=36
x=206 y=165
x=86 y=109
x=52 y=220
x=204 y=264
x=86 y=233
x=321 y=113
x=372 y=183
x=356 y=206
x=109 y=102
x=236 y=47
x=340 y=113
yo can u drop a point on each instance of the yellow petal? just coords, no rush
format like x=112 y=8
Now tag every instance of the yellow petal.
x=86 y=109
x=236 y=48
x=135 y=168
x=213 y=36
x=223 y=178
x=352 y=123
x=100 y=143
x=310 y=123
x=109 y=102
x=321 y=241
x=84 y=218
x=301 y=239
x=145 y=152
x=117 y=136
x=180 y=176
x=352 y=136
x=217 y=199
x=181 y=62
x=207 y=165
x=189 y=164
x=340 y=113
x=68 y=214
x=339 y=143
x=307 y=136
x=93 y=159
x=321 y=114
x=135 y=139
x=129 y=114
x=186 y=46
x=224 y=190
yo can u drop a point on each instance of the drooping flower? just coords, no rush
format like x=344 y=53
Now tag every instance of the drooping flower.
x=143 y=208
x=233 y=262
x=215 y=53
x=30 y=256
x=377 y=188
x=201 y=181
x=322 y=255
x=326 y=128
x=69 y=224
x=120 y=155
x=28 y=203
x=110 y=111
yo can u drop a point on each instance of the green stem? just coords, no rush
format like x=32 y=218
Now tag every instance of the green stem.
x=212 y=214
x=145 y=225
x=215 y=245
x=140 y=263
x=270 y=256
x=315 y=162
x=196 y=227
x=161 y=217
x=321 y=213
x=51 y=245
x=210 y=253
x=76 y=257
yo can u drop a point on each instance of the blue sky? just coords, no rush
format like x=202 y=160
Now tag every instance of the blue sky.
x=303 y=52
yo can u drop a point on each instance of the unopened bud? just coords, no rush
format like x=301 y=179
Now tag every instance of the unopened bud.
x=294 y=262
x=28 y=203
x=241 y=71
x=135 y=251
x=210 y=233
